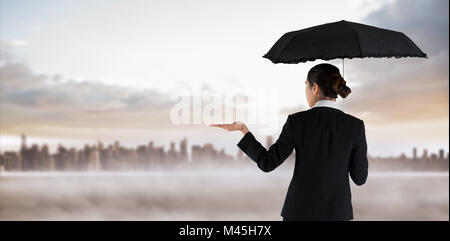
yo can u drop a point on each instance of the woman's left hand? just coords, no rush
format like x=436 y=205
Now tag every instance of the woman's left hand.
x=235 y=126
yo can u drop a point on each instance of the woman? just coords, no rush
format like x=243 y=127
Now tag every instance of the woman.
x=329 y=145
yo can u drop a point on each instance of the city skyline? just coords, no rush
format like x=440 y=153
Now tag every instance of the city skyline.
x=33 y=157
x=269 y=139
x=13 y=143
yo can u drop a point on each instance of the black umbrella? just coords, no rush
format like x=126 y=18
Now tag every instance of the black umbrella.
x=341 y=39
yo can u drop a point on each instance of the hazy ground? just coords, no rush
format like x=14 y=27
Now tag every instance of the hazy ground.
x=222 y=194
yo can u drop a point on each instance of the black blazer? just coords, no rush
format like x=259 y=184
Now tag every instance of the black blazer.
x=329 y=145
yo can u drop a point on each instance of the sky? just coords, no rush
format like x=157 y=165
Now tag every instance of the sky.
x=80 y=71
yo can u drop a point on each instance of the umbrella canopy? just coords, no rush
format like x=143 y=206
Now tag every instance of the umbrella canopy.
x=341 y=39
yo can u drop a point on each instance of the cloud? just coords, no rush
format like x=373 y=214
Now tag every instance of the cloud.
x=426 y=22
x=408 y=89
x=30 y=100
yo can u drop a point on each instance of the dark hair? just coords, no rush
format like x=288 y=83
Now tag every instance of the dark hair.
x=329 y=79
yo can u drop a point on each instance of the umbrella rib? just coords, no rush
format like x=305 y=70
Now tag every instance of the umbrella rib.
x=285 y=46
x=357 y=36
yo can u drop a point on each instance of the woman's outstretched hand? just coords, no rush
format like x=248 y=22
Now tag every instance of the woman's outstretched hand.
x=235 y=126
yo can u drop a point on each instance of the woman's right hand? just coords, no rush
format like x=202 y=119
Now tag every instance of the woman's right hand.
x=235 y=126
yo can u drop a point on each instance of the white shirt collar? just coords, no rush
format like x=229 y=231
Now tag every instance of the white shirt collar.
x=328 y=103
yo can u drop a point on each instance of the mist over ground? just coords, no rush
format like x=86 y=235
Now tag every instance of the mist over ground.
x=234 y=193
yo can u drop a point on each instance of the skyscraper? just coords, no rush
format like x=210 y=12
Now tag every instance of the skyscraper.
x=425 y=154
x=24 y=142
x=183 y=150
x=441 y=154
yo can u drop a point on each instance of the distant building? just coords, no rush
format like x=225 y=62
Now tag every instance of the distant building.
x=94 y=160
x=183 y=151
x=425 y=154
x=441 y=154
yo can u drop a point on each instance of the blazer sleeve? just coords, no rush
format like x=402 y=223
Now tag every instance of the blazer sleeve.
x=358 y=166
x=268 y=160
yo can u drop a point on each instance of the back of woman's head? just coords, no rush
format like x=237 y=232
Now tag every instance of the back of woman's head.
x=329 y=79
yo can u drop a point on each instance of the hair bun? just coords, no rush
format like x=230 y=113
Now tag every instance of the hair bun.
x=343 y=90
x=337 y=82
